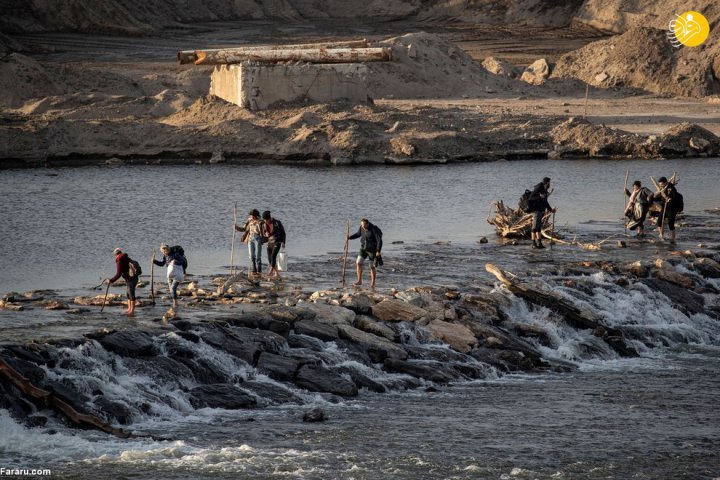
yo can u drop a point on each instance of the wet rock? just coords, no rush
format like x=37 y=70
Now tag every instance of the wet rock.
x=323 y=331
x=506 y=360
x=277 y=366
x=285 y=314
x=397 y=311
x=412 y=297
x=112 y=300
x=264 y=340
x=221 y=395
x=261 y=320
x=38 y=356
x=27 y=369
x=483 y=240
x=303 y=341
x=114 y=411
x=314 y=415
x=330 y=314
x=442 y=355
x=528 y=330
x=482 y=306
x=707 y=267
x=271 y=394
x=458 y=337
x=669 y=274
x=688 y=301
x=536 y=73
x=367 y=324
x=161 y=369
x=128 y=343
x=362 y=380
x=54 y=305
x=189 y=336
x=244 y=350
x=320 y=379
x=378 y=348
x=637 y=269
x=360 y=304
x=497 y=338
x=14 y=307
x=427 y=370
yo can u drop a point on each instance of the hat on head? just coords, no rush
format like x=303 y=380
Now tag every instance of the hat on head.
x=117 y=250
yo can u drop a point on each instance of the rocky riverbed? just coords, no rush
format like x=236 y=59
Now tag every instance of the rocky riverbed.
x=245 y=345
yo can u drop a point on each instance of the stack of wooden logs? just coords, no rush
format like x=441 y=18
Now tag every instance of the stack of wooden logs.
x=514 y=223
x=351 y=51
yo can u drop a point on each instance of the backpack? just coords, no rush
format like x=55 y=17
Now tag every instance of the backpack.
x=679 y=202
x=525 y=204
x=177 y=249
x=134 y=269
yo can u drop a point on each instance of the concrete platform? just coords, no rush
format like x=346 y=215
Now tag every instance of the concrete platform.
x=258 y=86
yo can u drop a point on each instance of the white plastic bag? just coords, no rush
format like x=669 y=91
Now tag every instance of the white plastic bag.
x=175 y=272
x=282 y=263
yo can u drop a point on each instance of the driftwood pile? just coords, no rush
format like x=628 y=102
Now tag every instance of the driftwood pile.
x=514 y=223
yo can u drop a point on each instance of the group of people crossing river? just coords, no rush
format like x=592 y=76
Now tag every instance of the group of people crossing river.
x=265 y=229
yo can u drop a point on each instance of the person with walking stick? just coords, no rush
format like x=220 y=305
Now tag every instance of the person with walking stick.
x=128 y=270
x=370 y=248
x=672 y=204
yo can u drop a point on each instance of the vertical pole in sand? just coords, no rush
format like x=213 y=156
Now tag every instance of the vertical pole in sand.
x=587 y=90
x=627 y=174
x=232 y=244
x=345 y=252
x=152 y=277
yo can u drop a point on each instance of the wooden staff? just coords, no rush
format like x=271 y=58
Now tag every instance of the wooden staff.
x=152 y=277
x=345 y=252
x=232 y=245
x=552 y=232
x=105 y=297
x=627 y=174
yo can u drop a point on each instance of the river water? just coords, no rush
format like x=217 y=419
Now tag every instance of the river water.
x=59 y=226
x=652 y=417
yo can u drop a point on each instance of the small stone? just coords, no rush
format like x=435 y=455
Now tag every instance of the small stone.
x=483 y=240
x=621 y=244
x=314 y=415
x=601 y=77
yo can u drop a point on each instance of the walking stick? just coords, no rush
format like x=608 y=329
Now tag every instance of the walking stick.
x=627 y=174
x=552 y=232
x=662 y=219
x=232 y=245
x=345 y=252
x=105 y=298
x=152 y=277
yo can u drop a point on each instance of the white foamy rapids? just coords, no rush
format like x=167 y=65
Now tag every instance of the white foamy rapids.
x=648 y=319
x=22 y=444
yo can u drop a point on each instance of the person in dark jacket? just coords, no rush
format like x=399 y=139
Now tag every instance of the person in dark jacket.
x=539 y=202
x=637 y=207
x=122 y=269
x=275 y=235
x=670 y=204
x=370 y=248
x=176 y=268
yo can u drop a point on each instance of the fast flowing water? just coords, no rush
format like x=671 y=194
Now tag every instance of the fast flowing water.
x=652 y=417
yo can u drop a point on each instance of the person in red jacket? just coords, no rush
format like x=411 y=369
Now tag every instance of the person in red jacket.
x=122 y=263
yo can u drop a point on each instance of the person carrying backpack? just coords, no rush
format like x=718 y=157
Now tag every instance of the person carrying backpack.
x=275 y=235
x=539 y=204
x=637 y=207
x=672 y=203
x=176 y=263
x=129 y=270
x=370 y=248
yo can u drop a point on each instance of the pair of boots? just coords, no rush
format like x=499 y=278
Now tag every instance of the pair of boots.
x=537 y=244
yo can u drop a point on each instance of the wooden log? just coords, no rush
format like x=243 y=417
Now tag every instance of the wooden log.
x=191 y=56
x=577 y=318
x=311 y=55
x=50 y=400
